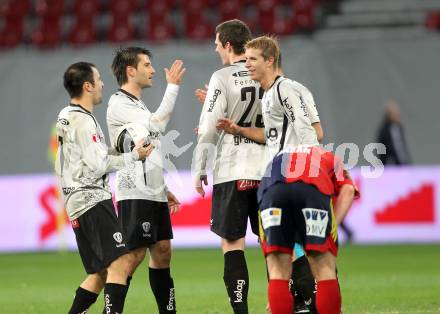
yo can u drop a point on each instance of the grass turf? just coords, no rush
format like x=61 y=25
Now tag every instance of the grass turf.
x=398 y=279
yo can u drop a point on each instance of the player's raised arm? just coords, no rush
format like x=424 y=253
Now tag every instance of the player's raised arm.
x=160 y=118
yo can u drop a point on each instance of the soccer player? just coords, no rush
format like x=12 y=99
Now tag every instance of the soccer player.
x=82 y=163
x=233 y=94
x=295 y=204
x=143 y=199
x=290 y=118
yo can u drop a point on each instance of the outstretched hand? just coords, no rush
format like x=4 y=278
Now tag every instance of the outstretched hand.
x=175 y=73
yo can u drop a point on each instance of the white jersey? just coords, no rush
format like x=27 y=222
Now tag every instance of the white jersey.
x=288 y=113
x=83 y=160
x=141 y=180
x=234 y=95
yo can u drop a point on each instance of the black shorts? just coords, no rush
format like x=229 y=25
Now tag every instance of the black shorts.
x=232 y=203
x=99 y=237
x=144 y=222
x=297 y=212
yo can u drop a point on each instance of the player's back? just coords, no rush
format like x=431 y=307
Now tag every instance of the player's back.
x=309 y=164
x=234 y=95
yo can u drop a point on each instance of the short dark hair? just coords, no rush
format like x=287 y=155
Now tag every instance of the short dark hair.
x=125 y=57
x=236 y=32
x=75 y=77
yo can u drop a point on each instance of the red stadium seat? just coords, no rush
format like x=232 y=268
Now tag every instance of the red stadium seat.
x=304 y=14
x=195 y=25
x=433 y=20
x=13 y=13
x=231 y=9
x=86 y=8
x=49 y=8
x=266 y=15
x=122 y=7
x=12 y=33
x=48 y=33
x=159 y=27
x=84 y=31
x=17 y=8
x=121 y=29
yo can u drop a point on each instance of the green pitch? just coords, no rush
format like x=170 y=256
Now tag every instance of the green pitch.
x=398 y=279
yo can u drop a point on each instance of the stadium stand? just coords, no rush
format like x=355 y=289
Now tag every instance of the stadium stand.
x=84 y=29
x=81 y=22
x=48 y=32
x=374 y=18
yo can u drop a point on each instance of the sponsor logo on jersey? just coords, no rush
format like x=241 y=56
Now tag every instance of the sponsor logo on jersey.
x=75 y=224
x=146 y=226
x=238 y=139
x=303 y=107
x=289 y=109
x=217 y=92
x=243 y=185
x=118 y=238
x=272 y=134
x=316 y=222
x=241 y=74
x=271 y=217
x=63 y=121
x=68 y=190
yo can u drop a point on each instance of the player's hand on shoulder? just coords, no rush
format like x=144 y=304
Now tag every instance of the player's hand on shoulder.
x=201 y=94
x=173 y=203
x=227 y=125
x=175 y=73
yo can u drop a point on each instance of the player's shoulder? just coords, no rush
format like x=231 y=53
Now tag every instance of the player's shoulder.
x=232 y=70
x=75 y=117
x=120 y=98
x=287 y=84
x=300 y=88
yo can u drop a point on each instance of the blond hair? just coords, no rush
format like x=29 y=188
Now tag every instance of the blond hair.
x=269 y=47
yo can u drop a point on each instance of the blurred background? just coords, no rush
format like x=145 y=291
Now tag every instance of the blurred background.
x=373 y=67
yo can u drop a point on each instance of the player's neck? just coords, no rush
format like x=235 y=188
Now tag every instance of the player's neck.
x=235 y=58
x=87 y=104
x=133 y=89
x=268 y=80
